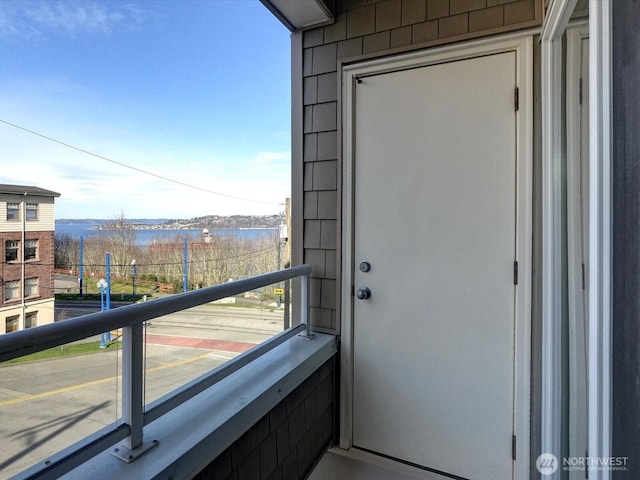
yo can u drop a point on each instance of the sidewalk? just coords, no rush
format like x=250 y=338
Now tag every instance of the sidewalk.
x=203 y=343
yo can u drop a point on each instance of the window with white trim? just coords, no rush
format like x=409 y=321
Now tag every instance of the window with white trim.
x=30 y=287
x=32 y=211
x=31 y=249
x=12 y=290
x=31 y=320
x=11 y=248
x=11 y=323
x=13 y=211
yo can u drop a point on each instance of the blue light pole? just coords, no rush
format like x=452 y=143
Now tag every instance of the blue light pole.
x=185 y=271
x=81 y=272
x=102 y=286
x=107 y=304
x=107 y=301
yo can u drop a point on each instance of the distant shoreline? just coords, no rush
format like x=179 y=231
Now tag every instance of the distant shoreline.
x=211 y=222
x=160 y=234
x=108 y=228
x=162 y=226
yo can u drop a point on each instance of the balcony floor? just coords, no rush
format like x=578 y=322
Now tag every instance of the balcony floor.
x=358 y=465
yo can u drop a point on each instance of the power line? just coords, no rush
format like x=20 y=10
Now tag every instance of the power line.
x=115 y=266
x=160 y=264
x=146 y=172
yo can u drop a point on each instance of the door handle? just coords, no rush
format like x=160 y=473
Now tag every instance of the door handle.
x=363 y=293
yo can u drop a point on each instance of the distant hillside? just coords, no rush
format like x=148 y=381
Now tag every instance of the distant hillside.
x=233 y=221
x=94 y=221
x=208 y=221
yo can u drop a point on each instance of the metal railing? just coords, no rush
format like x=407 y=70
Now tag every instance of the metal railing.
x=131 y=319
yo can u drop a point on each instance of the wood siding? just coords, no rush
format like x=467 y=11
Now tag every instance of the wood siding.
x=46 y=217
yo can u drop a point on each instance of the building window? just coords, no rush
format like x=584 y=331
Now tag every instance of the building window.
x=11 y=323
x=11 y=248
x=12 y=290
x=32 y=211
x=30 y=287
x=13 y=211
x=30 y=249
x=31 y=320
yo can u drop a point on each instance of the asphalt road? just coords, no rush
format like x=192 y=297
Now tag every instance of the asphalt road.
x=50 y=404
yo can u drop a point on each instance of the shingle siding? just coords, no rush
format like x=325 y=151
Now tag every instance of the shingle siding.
x=285 y=443
x=371 y=28
x=413 y=12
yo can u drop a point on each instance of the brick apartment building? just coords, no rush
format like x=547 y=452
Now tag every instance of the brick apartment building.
x=27 y=229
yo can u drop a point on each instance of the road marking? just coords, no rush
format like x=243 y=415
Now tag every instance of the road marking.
x=97 y=382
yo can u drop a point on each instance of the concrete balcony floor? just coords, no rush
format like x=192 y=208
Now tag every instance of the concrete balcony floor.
x=355 y=464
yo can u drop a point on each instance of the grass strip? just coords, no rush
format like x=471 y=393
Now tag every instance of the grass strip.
x=61 y=351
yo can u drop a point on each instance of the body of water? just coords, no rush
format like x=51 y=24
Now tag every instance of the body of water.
x=148 y=237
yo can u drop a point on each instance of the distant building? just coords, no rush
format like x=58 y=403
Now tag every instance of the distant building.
x=27 y=230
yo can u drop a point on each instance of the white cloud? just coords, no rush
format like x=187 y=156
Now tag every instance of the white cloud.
x=272 y=157
x=94 y=188
x=37 y=19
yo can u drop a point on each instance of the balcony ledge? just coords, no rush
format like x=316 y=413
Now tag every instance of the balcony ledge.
x=196 y=432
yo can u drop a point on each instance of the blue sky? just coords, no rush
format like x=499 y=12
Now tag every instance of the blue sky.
x=193 y=90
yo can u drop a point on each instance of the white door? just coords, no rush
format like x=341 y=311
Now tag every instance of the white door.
x=434 y=195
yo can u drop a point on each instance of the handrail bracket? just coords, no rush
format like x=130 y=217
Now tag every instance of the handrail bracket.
x=127 y=455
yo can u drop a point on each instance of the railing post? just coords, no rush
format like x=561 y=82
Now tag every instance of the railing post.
x=132 y=394
x=304 y=305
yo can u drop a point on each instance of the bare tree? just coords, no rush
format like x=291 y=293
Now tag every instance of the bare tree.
x=120 y=241
x=66 y=252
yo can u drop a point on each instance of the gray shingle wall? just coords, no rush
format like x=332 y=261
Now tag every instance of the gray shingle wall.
x=370 y=27
x=287 y=441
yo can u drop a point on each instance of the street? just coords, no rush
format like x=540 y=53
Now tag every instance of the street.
x=47 y=405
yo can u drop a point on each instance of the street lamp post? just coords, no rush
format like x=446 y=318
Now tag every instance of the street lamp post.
x=134 y=272
x=102 y=286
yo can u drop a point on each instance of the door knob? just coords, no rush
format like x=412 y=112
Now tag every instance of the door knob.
x=363 y=293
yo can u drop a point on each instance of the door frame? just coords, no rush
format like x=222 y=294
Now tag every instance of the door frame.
x=600 y=270
x=577 y=273
x=522 y=45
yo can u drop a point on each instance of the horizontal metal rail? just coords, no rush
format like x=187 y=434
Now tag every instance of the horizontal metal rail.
x=24 y=342
x=131 y=318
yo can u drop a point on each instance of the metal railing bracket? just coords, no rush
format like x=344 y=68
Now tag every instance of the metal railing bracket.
x=127 y=455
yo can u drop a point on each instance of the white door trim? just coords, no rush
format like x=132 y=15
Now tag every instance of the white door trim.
x=523 y=46
x=576 y=255
x=600 y=281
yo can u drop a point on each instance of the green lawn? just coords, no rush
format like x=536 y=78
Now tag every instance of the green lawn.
x=62 y=351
